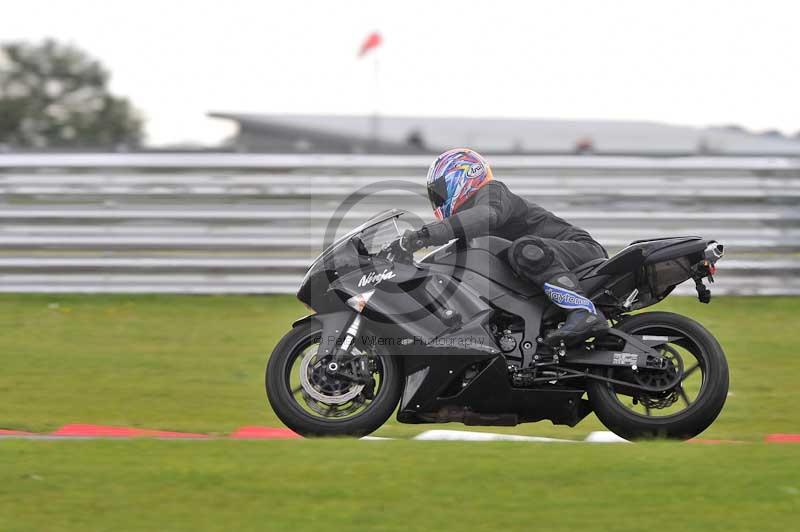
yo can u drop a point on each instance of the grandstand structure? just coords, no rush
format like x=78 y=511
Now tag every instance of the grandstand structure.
x=284 y=133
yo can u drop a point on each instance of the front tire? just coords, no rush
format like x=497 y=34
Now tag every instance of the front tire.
x=294 y=405
x=697 y=415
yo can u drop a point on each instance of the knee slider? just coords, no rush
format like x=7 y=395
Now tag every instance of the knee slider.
x=530 y=256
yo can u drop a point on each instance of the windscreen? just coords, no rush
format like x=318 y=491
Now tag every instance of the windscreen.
x=374 y=233
x=375 y=237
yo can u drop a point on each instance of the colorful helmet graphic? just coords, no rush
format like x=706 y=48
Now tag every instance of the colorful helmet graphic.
x=453 y=178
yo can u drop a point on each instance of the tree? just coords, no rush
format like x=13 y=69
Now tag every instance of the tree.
x=54 y=95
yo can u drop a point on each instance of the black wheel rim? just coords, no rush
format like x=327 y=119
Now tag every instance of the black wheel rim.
x=688 y=356
x=321 y=396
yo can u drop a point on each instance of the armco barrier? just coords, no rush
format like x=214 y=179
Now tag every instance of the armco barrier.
x=251 y=223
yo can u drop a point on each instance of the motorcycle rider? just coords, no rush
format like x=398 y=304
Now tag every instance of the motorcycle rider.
x=469 y=203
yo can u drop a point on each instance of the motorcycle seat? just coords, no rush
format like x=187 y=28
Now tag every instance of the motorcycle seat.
x=584 y=269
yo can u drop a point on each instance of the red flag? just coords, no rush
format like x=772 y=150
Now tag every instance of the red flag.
x=373 y=40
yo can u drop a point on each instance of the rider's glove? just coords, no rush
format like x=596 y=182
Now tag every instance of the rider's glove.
x=411 y=240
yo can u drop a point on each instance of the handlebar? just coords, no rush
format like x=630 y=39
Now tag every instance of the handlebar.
x=394 y=252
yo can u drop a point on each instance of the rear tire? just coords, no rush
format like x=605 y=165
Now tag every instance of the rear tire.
x=698 y=415
x=300 y=420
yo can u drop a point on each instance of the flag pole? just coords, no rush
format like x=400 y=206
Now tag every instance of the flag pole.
x=376 y=101
x=372 y=41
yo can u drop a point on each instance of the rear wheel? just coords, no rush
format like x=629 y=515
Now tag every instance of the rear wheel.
x=697 y=368
x=312 y=401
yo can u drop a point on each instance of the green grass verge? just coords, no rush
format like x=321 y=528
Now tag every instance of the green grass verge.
x=400 y=485
x=196 y=363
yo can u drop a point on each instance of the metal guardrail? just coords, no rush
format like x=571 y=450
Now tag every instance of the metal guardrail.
x=251 y=223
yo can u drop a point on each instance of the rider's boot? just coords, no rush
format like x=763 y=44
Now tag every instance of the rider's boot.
x=583 y=321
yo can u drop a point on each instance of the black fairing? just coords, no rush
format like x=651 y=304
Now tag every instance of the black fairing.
x=486 y=256
x=641 y=252
x=430 y=395
x=653 y=267
x=326 y=270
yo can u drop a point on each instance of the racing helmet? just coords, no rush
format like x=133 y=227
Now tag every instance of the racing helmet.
x=453 y=178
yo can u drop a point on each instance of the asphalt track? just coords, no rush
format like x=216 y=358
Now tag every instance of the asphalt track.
x=89 y=431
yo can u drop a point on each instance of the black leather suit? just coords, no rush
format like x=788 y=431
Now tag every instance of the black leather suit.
x=545 y=247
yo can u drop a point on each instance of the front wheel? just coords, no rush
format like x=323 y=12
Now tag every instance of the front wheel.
x=698 y=369
x=314 y=402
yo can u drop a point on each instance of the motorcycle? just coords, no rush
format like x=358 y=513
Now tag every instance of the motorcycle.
x=456 y=336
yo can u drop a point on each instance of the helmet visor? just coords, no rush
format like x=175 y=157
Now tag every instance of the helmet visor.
x=437 y=192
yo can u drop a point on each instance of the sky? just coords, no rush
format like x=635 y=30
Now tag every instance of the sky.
x=683 y=62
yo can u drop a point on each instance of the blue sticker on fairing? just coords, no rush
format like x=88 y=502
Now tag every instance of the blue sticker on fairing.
x=568 y=299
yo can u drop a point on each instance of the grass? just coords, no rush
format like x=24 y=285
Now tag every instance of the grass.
x=196 y=364
x=186 y=363
x=382 y=486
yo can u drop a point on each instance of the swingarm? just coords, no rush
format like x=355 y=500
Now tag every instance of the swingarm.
x=616 y=350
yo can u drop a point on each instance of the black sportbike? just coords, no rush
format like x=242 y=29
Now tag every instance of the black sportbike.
x=457 y=336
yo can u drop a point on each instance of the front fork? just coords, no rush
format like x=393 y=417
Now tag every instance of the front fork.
x=342 y=364
x=342 y=352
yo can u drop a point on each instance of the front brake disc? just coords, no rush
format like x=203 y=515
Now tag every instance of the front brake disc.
x=311 y=378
